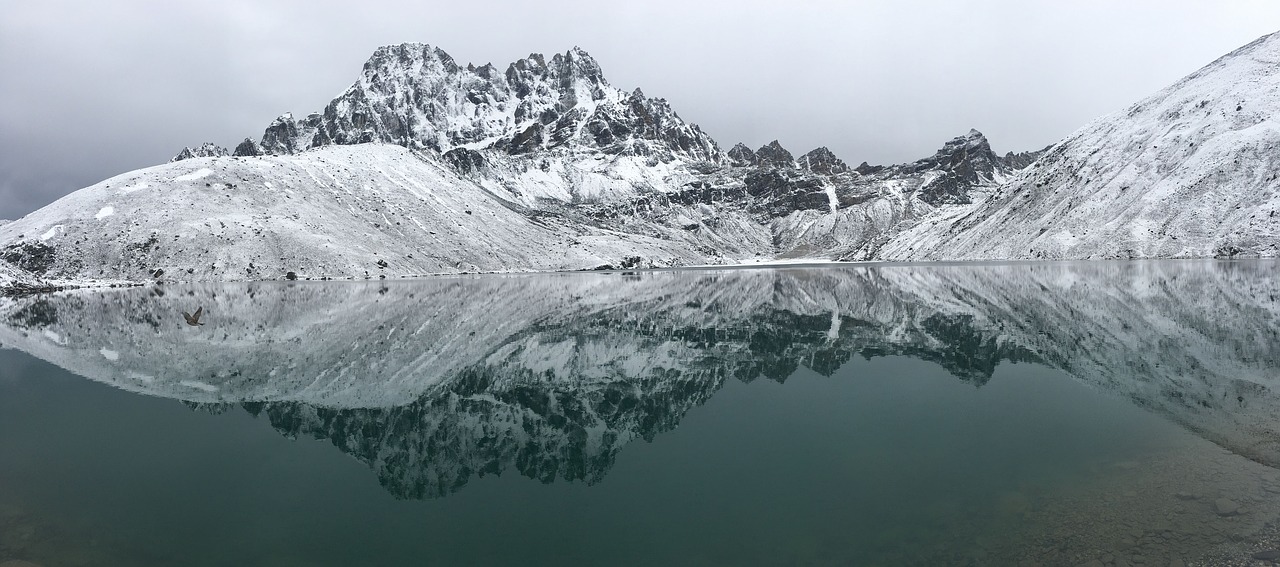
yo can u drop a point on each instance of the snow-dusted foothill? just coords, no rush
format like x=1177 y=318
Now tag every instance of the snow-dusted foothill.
x=434 y=380
x=1191 y=171
x=365 y=210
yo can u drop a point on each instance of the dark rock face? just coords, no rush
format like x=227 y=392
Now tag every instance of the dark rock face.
x=247 y=148
x=773 y=154
x=34 y=257
x=464 y=160
x=642 y=125
x=965 y=161
x=286 y=135
x=865 y=168
x=1023 y=159
x=780 y=192
x=207 y=149
x=740 y=155
x=821 y=160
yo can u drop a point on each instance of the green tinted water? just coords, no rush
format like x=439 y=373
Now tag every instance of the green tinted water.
x=972 y=415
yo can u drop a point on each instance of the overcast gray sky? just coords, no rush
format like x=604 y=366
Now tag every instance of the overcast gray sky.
x=92 y=89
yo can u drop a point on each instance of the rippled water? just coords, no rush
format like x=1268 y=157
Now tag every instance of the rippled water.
x=1119 y=412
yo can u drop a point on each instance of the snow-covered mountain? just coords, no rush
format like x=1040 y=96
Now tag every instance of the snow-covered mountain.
x=431 y=382
x=1191 y=171
x=423 y=166
x=416 y=96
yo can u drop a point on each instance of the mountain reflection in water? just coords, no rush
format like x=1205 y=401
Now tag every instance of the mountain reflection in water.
x=432 y=383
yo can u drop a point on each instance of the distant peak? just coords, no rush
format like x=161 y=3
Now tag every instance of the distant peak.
x=406 y=55
x=576 y=63
x=207 y=149
x=741 y=155
x=533 y=61
x=971 y=141
x=822 y=160
x=774 y=154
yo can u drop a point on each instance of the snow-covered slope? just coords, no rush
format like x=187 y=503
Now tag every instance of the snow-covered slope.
x=432 y=381
x=341 y=211
x=1192 y=171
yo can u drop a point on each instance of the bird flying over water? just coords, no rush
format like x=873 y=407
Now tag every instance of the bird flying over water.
x=194 y=320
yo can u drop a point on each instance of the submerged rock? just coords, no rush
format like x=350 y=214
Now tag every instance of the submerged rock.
x=1226 y=507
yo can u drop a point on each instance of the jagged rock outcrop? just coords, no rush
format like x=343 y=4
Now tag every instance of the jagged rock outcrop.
x=247 y=148
x=742 y=156
x=822 y=161
x=774 y=155
x=1021 y=160
x=961 y=163
x=207 y=149
x=865 y=168
x=417 y=96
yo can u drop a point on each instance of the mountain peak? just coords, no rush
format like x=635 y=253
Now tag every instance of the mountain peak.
x=415 y=95
x=966 y=161
x=774 y=154
x=741 y=155
x=821 y=160
x=407 y=55
x=574 y=64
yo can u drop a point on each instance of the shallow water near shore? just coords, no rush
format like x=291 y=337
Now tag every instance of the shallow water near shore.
x=1121 y=413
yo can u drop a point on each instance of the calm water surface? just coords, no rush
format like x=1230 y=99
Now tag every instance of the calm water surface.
x=1052 y=414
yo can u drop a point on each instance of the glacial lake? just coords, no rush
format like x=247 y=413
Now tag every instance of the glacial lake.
x=1120 y=413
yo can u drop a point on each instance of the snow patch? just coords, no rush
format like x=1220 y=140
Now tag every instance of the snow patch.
x=197 y=174
x=105 y=212
x=109 y=354
x=52 y=232
x=199 y=385
x=135 y=187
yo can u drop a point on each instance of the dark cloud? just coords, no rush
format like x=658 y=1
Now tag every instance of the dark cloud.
x=92 y=90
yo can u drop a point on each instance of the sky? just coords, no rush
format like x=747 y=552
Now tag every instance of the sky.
x=89 y=90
